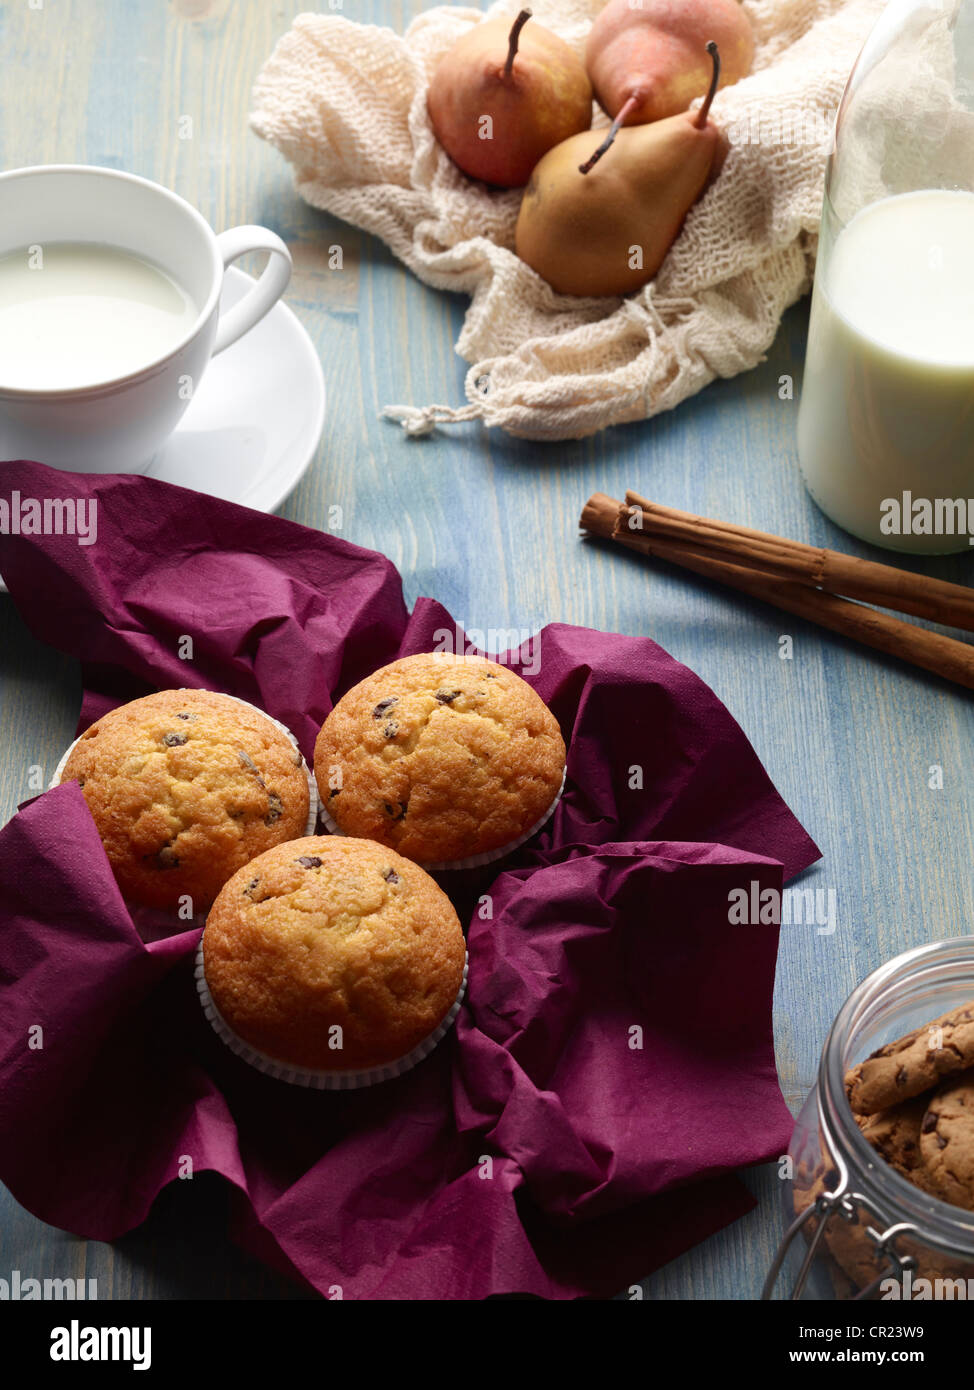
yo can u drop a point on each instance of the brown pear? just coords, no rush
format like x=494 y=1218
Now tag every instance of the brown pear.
x=500 y=98
x=602 y=225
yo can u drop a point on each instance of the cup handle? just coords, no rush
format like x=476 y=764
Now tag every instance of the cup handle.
x=237 y=241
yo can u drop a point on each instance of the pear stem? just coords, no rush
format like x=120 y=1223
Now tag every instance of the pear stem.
x=516 y=28
x=704 y=111
x=613 y=131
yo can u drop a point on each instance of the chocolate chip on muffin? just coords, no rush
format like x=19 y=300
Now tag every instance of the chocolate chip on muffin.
x=251 y=766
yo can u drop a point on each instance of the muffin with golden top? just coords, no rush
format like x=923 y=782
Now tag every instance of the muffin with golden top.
x=186 y=786
x=332 y=954
x=450 y=760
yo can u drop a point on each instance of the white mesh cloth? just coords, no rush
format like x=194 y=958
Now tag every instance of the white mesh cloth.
x=346 y=105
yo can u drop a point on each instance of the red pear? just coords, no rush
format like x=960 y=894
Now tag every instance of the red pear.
x=647 y=58
x=501 y=98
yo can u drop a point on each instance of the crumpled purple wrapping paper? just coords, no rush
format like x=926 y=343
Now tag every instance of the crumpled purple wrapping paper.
x=612 y=1064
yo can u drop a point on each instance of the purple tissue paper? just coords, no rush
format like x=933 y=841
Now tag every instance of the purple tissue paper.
x=612 y=1065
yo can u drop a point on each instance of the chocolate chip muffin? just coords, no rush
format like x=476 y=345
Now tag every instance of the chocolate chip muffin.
x=185 y=786
x=333 y=954
x=447 y=759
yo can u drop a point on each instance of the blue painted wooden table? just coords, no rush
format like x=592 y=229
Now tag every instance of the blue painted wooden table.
x=488 y=525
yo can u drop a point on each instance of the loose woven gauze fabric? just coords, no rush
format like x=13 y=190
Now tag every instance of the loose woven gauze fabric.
x=346 y=104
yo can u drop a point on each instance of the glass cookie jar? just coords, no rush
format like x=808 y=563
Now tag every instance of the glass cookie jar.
x=855 y=1228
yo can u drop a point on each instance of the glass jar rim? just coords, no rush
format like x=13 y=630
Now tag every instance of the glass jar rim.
x=949 y=1227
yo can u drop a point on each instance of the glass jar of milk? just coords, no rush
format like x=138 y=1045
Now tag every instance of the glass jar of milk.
x=886 y=422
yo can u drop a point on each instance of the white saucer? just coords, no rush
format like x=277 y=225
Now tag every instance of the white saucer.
x=252 y=429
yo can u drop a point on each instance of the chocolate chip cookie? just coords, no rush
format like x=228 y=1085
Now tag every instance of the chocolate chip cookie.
x=947 y=1141
x=913 y=1064
x=895 y=1135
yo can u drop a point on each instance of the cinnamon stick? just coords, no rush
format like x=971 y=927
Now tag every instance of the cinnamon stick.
x=943 y=656
x=848 y=575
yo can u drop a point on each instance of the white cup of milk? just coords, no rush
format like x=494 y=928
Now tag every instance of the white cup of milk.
x=110 y=311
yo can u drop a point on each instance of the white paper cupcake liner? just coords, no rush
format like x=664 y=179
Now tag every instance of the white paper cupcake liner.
x=312 y=822
x=320 y=1080
x=473 y=861
x=155 y=922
